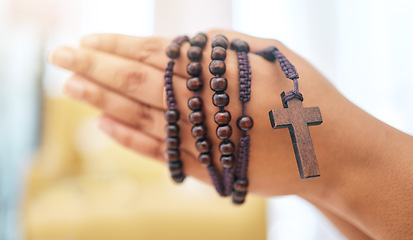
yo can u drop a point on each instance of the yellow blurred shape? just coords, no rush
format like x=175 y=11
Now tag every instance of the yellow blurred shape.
x=82 y=185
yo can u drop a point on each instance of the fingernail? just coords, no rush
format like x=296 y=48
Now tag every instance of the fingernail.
x=62 y=57
x=74 y=89
x=106 y=125
x=91 y=41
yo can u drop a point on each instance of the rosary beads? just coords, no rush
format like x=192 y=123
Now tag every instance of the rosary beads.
x=244 y=122
x=220 y=99
x=197 y=117
x=234 y=179
x=172 y=114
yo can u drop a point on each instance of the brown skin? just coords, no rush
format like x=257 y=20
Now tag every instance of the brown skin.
x=366 y=174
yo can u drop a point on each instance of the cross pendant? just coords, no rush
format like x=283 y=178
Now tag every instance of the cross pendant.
x=297 y=119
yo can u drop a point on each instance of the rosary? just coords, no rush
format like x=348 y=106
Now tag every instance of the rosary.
x=233 y=180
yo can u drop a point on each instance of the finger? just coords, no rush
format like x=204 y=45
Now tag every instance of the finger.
x=131 y=78
x=132 y=138
x=151 y=50
x=149 y=146
x=141 y=116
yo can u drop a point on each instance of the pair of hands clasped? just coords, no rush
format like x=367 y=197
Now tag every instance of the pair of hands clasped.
x=123 y=76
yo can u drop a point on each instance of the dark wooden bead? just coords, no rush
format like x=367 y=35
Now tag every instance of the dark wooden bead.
x=205 y=159
x=219 y=36
x=233 y=43
x=172 y=143
x=218 y=84
x=194 y=69
x=219 y=41
x=218 y=53
x=172 y=130
x=217 y=67
x=171 y=116
x=195 y=53
x=199 y=40
x=199 y=131
x=240 y=46
x=227 y=161
x=227 y=148
x=238 y=197
x=195 y=103
x=241 y=185
x=172 y=155
x=220 y=99
x=245 y=123
x=203 y=145
x=194 y=84
x=178 y=177
x=269 y=53
x=224 y=132
x=175 y=167
x=222 y=118
x=173 y=50
x=196 y=117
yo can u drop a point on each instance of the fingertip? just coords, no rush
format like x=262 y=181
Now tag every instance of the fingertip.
x=91 y=41
x=106 y=124
x=62 y=56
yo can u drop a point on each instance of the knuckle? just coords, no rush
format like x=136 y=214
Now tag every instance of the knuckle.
x=131 y=78
x=157 y=152
x=83 y=62
x=96 y=97
x=125 y=140
x=149 y=47
x=143 y=115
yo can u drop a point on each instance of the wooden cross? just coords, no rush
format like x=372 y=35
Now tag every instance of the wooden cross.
x=297 y=119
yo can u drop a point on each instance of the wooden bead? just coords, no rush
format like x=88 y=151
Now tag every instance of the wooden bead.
x=172 y=143
x=219 y=36
x=227 y=148
x=195 y=53
x=195 y=103
x=220 y=99
x=178 y=177
x=205 y=159
x=199 y=131
x=269 y=53
x=219 y=41
x=173 y=50
x=172 y=155
x=196 y=117
x=238 y=197
x=172 y=130
x=194 y=84
x=199 y=40
x=203 y=145
x=171 y=116
x=233 y=43
x=241 y=185
x=194 y=69
x=217 y=67
x=218 y=53
x=240 y=46
x=224 y=132
x=245 y=123
x=218 y=84
x=222 y=118
x=227 y=161
x=175 y=167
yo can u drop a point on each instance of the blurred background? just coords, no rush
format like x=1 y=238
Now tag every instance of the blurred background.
x=61 y=178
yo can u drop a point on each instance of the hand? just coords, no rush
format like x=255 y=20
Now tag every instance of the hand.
x=123 y=76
